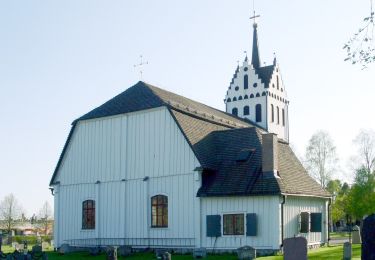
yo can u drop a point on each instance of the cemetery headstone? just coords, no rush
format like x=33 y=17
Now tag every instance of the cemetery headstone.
x=64 y=249
x=246 y=253
x=347 y=251
x=199 y=253
x=356 y=235
x=368 y=238
x=159 y=253
x=295 y=248
x=111 y=252
x=166 y=256
x=125 y=250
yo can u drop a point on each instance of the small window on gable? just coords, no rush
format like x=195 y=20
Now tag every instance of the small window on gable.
x=252 y=96
x=159 y=211
x=283 y=115
x=255 y=85
x=258 y=113
x=229 y=100
x=88 y=214
x=233 y=224
x=277 y=81
x=278 y=115
x=273 y=85
x=235 y=111
x=240 y=98
x=272 y=114
x=246 y=111
x=234 y=99
x=257 y=95
x=246 y=97
x=264 y=93
x=245 y=69
x=246 y=82
x=236 y=88
x=244 y=155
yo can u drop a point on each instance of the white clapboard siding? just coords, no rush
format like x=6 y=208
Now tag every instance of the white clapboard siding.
x=119 y=152
x=266 y=209
x=294 y=206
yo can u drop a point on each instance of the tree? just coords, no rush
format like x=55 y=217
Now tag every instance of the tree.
x=360 y=49
x=321 y=158
x=334 y=187
x=10 y=212
x=45 y=216
x=365 y=142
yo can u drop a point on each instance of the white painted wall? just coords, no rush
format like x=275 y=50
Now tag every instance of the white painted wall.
x=267 y=210
x=119 y=152
x=294 y=206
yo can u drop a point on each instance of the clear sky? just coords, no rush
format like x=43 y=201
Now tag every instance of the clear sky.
x=60 y=59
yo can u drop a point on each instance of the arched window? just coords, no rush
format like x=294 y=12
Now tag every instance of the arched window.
x=245 y=82
x=277 y=81
x=255 y=85
x=278 y=115
x=88 y=214
x=257 y=95
x=272 y=114
x=283 y=114
x=236 y=88
x=159 y=211
x=264 y=93
x=252 y=96
x=240 y=98
x=229 y=100
x=258 y=113
x=246 y=97
x=246 y=111
x=235 y=111
x=234 y=99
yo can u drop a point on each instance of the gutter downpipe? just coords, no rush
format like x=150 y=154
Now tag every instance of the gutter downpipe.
x=282 y=222
x=329 y=218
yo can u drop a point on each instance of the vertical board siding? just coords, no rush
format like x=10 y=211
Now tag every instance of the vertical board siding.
x=294 y=206
x=266 y=209
x=119 y=152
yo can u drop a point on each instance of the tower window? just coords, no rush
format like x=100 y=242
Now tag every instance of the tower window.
x=252 y=96
x=278 y=115
x=277 y=82
x=235 y=111
x=245 y=69
x=272 y=114
x=229 y=100
x=257 y=95
x=240 y=98
x=234 y=99
x=236 y=88
x=264 y=93
x=283 y=114
x=246 y=111
x=246 y=97
x=246 y=82
x=255 y=85
x=258 y=113
x=273 y=85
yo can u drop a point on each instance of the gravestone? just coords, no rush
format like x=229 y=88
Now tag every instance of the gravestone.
x=295 y=248
x=347 y=251
x=36 y=249
x=125 y=250
x=111 y=252
x=368 y=238
x=161 y=254
x=246 y=253
x=45 y=246
x=356 y=235
x=200 y=252
x=64 y=249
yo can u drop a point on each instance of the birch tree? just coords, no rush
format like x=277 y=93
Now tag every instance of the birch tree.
x=10 y=212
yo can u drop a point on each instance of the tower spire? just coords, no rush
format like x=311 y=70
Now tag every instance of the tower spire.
x=255 y=59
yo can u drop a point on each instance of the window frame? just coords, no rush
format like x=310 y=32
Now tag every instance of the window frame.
x=164 y=214
x=245 y=81
x=88 y=224
x=246 y=110
x=233 y=222
x=258 y=113
x=235 y=109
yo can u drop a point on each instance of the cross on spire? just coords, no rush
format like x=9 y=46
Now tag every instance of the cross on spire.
x=140 y=66
x=254 y=16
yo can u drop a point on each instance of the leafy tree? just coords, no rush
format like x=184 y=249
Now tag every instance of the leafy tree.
x=365 y=142
x=321 y=158
x=334 y=187
x=10 y=212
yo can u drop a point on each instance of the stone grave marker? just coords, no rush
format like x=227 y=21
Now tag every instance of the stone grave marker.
x=246 y=253
x=347 y=251
x=111 y=252
x=125 y=250
x=200 y=252
x=64 y=249
x=159 y=253
x=356 y=235
x=368 y=238
x=295 y=248
x=45 y=246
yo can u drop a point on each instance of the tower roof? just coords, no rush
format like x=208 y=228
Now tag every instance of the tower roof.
x=255 y=59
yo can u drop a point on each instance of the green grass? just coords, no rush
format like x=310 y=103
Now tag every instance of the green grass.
x=331 y=253
x=338 y=235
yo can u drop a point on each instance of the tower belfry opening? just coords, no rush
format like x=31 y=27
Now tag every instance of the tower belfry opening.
x=267 y=98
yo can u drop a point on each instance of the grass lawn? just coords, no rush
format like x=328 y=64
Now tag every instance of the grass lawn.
x=332 y=253
x=338 y=235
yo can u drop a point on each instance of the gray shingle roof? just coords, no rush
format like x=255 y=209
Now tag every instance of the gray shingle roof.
x=216 y=138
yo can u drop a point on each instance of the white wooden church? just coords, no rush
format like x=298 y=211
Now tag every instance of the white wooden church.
x=152 y=169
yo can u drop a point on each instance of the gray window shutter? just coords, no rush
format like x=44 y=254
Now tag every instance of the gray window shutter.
x=251 y=224
x=213 y=223
x=304 y=222
x=316 y=222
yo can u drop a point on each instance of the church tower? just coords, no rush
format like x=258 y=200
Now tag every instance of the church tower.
x=257 y=93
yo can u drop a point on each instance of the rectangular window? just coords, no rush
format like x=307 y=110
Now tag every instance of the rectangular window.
x=233 y=224
x=159 y=211
x=304 y=222
x=88 y=214
x=283 y=117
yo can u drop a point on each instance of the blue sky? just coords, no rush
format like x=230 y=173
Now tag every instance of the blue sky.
x=60 y=59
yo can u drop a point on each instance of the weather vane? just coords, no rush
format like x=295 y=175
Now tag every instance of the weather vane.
x=140 y=66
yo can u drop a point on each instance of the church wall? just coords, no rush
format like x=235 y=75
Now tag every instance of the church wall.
x=268 y=221
x=107 y=161
x=292 y=209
